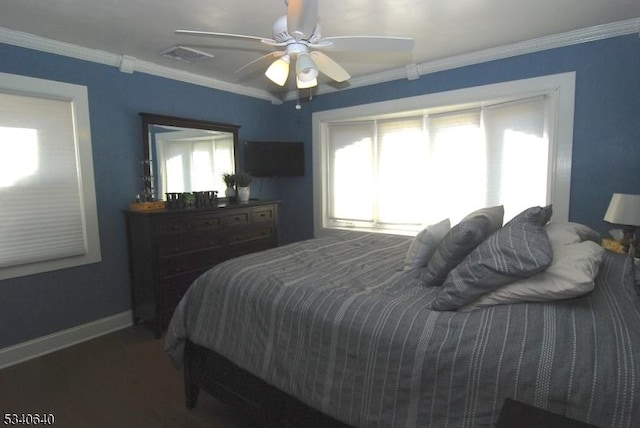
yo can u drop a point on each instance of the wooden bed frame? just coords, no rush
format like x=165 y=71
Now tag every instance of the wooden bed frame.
x=207 y=370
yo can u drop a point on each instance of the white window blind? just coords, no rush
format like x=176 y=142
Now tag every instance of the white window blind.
x=402 y=173
x=351 y=178
x=47 y=201
x=41 y=217
x=400 y=164
x=506 y=143
x=194 y=164
x=456 y=182
x=519 y=153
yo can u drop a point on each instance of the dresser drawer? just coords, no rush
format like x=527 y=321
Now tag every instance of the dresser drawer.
x=209 y=222
x=180 y=246
x=172 y=290
x=197 y=260
x=264 y=214
x=247 y=247
x=238 y=218
x=169 y=227
x=250 y=235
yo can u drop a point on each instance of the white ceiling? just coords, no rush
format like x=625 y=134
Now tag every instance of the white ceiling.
x=441 y=29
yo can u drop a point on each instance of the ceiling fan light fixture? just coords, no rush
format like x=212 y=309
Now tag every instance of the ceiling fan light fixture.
x=305 y=85
x=278 y=71
x=297 y=37
x=306 y=69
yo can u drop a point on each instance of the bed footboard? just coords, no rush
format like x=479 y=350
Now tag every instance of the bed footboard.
x=205 y=369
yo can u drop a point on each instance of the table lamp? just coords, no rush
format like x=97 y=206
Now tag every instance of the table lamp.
x=624 y=210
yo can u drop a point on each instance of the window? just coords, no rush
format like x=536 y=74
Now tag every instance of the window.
x=402 y=164
x=48 y=217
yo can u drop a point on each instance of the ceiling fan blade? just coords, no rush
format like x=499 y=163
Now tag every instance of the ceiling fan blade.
x=266 y=41
x=259 y=64
x=369 y=43
x=329 y=67
x=302 y=18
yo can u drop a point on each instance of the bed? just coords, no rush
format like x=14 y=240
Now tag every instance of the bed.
x=343 y=330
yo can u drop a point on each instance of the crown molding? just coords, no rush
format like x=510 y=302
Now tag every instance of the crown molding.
x=126 y=64
x=196 y=79
x=30 y=41
x=585 y=35
x=129 y=64
x=576 y=37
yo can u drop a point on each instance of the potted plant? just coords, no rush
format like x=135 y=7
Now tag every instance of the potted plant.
x=243 y=179
x=230 y=181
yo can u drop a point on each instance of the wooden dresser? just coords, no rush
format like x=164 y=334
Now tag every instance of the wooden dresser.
x=169 y=249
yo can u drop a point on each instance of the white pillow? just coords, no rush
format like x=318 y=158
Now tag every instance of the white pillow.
x=424 y=245
x=571 y=274
x=570 y=233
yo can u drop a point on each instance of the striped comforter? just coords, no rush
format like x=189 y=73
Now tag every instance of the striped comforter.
x=334 y=322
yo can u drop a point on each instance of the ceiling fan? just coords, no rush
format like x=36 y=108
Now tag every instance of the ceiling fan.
x=297 y=35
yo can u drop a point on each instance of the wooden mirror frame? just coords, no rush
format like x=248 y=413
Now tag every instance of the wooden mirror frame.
x=149 y=119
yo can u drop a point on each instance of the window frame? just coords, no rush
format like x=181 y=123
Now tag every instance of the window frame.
x=77 y=95
x=560 y=88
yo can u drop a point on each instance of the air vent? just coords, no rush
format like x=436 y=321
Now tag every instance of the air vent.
x=185 y=54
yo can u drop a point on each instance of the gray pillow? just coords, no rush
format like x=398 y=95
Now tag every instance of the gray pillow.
x=571 y=233
x=518 y=250
x=424 y=245
x=460 y=241
x=572 y=273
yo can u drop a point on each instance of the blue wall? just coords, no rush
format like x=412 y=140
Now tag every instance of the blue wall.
x=41 y=304
x=606 y=152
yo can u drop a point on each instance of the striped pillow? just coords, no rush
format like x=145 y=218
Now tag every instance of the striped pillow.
x=424 y=245
x=571 y=274
x=460 y=241
x=518 y=250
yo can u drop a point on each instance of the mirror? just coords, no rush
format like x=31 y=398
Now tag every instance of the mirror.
x=185 y=155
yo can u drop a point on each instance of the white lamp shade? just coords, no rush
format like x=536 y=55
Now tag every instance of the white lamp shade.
x=278 y=71
x=304 y=85
x=624 y=209
x=306 y=69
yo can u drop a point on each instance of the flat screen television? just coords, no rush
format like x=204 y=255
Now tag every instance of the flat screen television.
x=274 y=158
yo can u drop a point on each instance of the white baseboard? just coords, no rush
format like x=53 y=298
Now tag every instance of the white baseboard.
x=62 y=339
